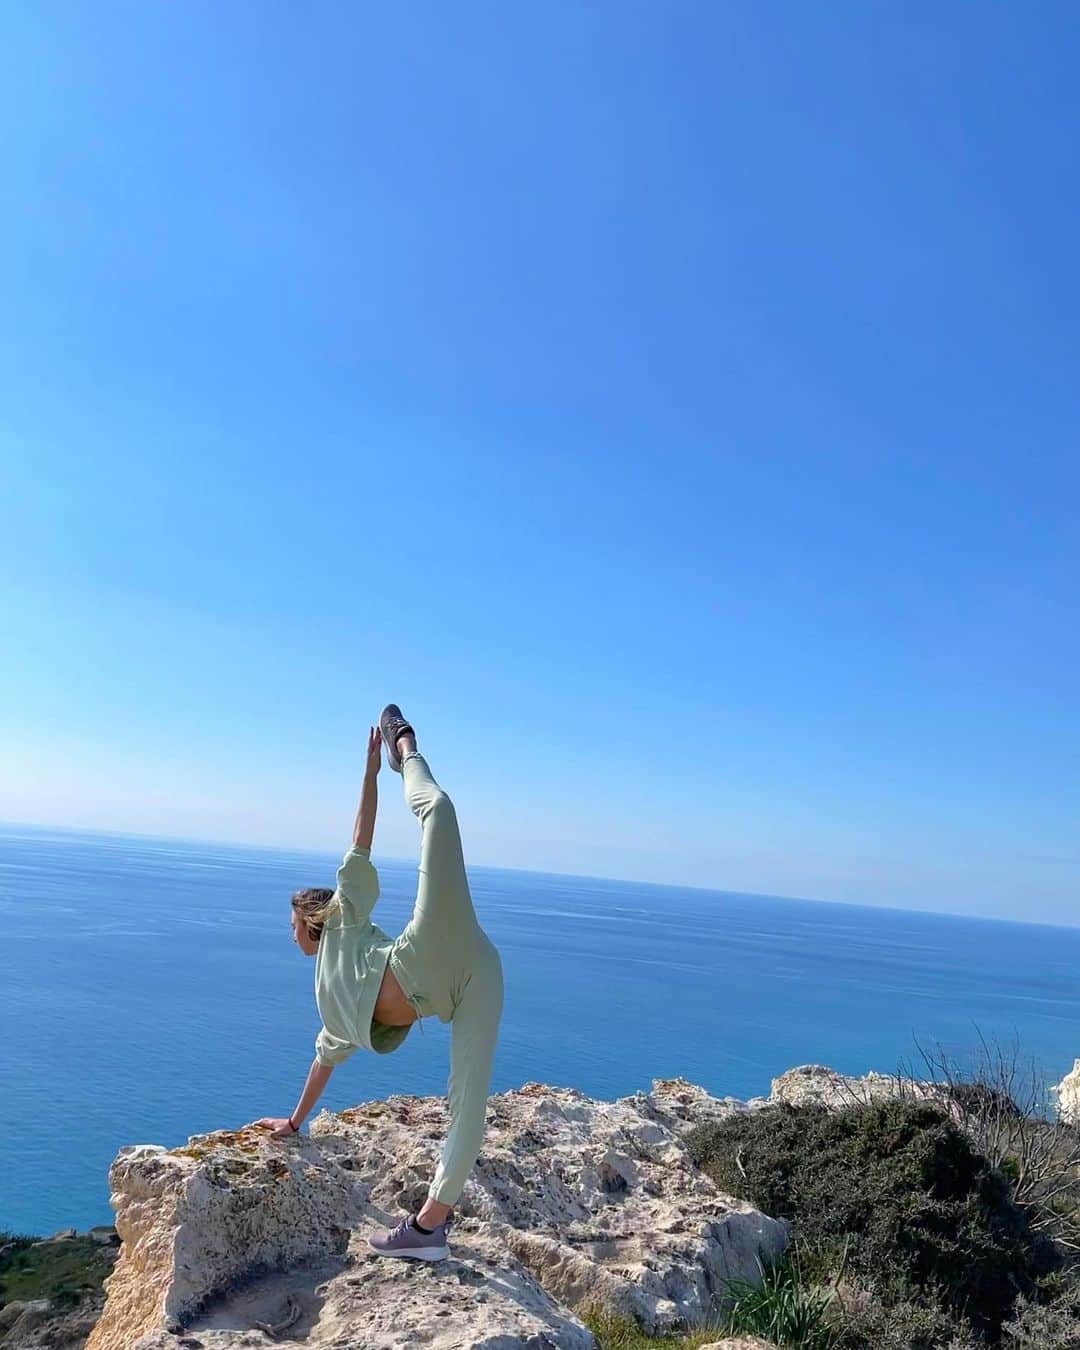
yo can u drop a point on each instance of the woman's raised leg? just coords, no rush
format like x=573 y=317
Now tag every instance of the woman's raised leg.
x=443 y=901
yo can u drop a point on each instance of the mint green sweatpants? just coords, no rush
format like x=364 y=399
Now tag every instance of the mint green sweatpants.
x=447 y=965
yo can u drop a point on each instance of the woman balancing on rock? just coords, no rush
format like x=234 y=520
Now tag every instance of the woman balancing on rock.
x=370 y=988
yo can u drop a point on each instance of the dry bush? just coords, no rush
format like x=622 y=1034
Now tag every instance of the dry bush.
x=1002 y=1101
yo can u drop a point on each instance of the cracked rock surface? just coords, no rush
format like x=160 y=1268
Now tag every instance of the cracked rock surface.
x=238 y=1240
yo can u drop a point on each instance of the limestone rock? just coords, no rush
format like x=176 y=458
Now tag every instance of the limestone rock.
x=28 y=1322
x=818 y=1085
x=815 y=1084
x=680 y=1105
x=195 y=1220
x=1068 y=1096
x=573 y=1202
x=42 y=1326
x=475 y=1298
x=599 y=1200
x=23 y=1314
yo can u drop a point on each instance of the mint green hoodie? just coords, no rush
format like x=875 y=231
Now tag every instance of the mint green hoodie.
x=349 y=965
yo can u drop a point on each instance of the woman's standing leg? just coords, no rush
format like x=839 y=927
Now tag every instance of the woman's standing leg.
x=444 y=914
x=474 y=1031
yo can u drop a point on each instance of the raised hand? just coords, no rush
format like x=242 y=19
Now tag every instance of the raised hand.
x=374 y=750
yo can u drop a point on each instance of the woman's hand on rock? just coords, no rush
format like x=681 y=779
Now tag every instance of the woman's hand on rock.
x=278 y=1127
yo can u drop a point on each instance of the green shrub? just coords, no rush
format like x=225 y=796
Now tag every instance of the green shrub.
x=1048 y=1326
x=783 y=1308
x=929 y=1221
x=869 y=1325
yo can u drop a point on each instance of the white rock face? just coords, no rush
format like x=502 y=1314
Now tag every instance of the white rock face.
x=598 y=1200
x=476 y=1298
x=680 y=1105
x=817 y=1085
x=1068 y=1096
x=573 y=1202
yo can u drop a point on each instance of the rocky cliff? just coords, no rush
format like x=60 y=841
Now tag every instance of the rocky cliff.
x=1068 y=1096
x=235 y=1240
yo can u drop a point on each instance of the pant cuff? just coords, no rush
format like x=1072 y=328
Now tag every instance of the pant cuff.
x=447 y=1195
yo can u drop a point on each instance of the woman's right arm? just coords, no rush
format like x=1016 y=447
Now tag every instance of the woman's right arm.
x=282 y=1127
x=317 y=1079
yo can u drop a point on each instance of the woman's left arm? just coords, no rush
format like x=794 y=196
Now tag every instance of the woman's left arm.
x=364 y=828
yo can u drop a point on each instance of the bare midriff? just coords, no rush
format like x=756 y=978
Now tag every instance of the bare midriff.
x=392 y=1008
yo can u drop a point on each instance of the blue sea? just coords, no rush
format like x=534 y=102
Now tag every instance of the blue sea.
x=150 y=990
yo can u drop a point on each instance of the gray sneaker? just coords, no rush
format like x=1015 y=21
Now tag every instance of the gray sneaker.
x=392 y=725
x=408 y=1241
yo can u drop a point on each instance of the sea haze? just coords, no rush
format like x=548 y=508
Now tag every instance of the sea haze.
x=150 y=990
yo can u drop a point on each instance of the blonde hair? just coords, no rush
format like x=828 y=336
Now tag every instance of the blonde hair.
x=314 y=906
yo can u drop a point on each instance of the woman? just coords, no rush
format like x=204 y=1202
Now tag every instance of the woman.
x=370 y=988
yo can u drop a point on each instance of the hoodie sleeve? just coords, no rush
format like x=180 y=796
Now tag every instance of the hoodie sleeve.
x=358 y=885
x=330 y=1051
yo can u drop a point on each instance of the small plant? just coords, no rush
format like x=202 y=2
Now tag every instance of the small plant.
x=615 y=1331
x=783 y=1308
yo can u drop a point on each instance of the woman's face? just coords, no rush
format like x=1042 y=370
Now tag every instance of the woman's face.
x=301 y=936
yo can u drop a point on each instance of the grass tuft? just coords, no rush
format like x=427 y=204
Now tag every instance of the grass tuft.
x=614 y=1331
x=783 y=1308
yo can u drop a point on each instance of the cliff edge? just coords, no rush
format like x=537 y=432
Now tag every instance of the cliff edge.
x=235 y=1240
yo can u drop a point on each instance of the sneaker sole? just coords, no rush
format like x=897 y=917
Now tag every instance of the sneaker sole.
x=415 y=1253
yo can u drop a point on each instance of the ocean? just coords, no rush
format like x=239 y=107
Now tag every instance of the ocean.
x=150 y=990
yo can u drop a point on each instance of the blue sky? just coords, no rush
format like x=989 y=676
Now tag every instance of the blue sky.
x=672 y=405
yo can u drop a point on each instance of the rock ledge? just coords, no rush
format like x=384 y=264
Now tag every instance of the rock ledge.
x=236 y=1240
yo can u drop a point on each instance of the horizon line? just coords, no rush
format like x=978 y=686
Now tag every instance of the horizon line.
x=530 y=871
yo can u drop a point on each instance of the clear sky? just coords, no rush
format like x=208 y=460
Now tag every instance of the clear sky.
x=674 y=406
